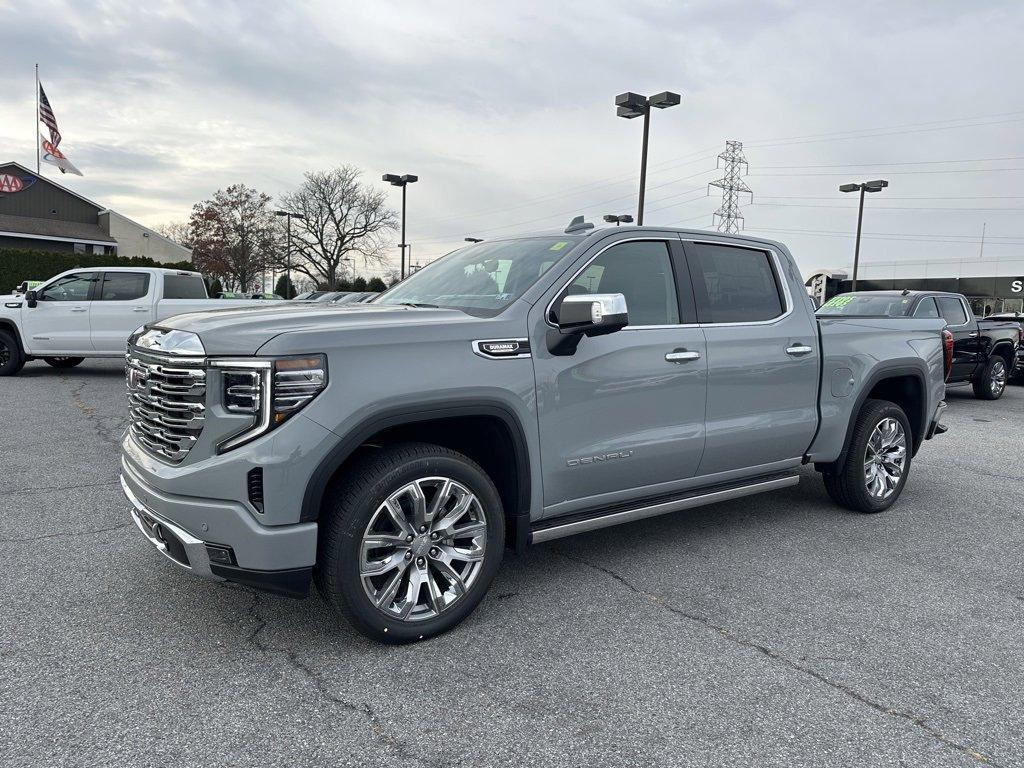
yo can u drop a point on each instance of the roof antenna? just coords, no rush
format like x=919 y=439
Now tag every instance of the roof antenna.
x=578 y=225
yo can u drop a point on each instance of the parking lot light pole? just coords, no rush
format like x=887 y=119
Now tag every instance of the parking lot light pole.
x=624 y=218
x=630 y=105
x=288 y=248
x=401 y=181
x=868 y=186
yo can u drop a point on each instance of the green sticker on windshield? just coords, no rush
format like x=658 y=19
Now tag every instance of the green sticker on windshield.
x=558 y=246
x=839 y=301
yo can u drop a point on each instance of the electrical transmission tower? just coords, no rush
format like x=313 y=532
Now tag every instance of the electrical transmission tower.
x=728 y=217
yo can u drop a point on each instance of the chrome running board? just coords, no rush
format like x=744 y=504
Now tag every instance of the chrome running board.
x=607 y=519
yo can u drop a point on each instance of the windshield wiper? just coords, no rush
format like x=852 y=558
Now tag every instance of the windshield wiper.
x=418 y=304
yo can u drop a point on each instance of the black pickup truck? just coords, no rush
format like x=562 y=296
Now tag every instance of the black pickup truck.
x=984 y=350
x=1017 y=318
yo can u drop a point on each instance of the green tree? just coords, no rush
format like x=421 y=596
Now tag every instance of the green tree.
x=233 y=236
x=285 y=287
x=359 y=284
x=376 y=285
x=215 y=287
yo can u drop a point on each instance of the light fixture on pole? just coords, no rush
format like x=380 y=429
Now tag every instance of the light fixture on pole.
x=401 y=181
x=624 y=218
x=288 y=249
x=868 y=186
x=473 y=239
x=630 y=105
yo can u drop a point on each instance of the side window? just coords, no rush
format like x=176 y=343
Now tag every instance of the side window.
x=69 y=288
x=926 y=308
x=739 y=283
x=952 y=310
x=642 y=272
x=184 y=287
x=124 y=286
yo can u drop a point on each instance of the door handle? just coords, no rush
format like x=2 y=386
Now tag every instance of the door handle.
x=798 y=349
x=682 y=356
x=140 y=309
x=79 y=309
x=973 y=333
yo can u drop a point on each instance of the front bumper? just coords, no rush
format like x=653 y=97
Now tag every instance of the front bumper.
x=220 y=541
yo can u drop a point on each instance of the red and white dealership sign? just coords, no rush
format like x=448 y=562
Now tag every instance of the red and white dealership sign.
x=11 y=184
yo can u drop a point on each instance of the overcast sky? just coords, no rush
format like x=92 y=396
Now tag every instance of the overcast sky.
x=505 y=111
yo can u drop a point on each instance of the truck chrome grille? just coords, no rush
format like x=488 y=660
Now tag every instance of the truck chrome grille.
x=166 y=403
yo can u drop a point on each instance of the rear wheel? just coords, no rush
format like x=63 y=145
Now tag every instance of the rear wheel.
x=11 y=357
x=877 y=463
x=991 y=383
x=410 y=542
x=63 y=362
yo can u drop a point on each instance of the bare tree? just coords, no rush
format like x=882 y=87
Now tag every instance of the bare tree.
x=233 y=235
x=178 y=231
x=342 y=219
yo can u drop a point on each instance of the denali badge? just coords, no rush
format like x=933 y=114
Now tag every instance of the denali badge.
x=599 y=458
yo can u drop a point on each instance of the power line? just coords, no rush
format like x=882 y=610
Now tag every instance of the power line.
x=909 y=162
x=729 y=218
x=1015 y=240
x=884 y=207
x=901 y=173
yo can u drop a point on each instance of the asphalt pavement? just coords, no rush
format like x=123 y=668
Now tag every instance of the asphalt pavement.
x=772 y=631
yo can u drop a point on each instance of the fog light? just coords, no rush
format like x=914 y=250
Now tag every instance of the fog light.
x=220 y=555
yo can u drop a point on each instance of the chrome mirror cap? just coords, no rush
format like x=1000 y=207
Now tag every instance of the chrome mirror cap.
x=593 y=313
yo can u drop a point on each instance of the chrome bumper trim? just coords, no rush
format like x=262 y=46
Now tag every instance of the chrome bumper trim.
x=195 y=549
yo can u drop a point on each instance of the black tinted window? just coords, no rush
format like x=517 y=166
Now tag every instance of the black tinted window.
x=952 y=310
x=640 y=271
x=70 y=288
x=124 y=286
x=926 y=308
x=184 y=287
x=739 y=283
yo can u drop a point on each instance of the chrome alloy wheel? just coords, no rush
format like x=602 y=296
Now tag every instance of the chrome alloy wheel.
x=997 y=381
x=423 y=548
x=885 y=458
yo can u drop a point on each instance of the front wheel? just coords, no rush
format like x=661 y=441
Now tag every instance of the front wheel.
x=991 y=383
x=63 y=362
x=877 y=463
x=11 y=357
x=410 y=541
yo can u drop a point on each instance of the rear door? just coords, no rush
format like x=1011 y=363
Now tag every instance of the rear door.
x=763 y=359
x=966 y=344
x=59 y=323
x=123 y=302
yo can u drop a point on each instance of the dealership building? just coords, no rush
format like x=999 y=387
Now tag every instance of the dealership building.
x=37 y=213
x=991 y=283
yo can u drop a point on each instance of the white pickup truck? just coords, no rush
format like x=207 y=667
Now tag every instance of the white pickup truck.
x=92 y=312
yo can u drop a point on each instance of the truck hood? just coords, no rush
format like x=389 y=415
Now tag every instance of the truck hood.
x=243 y=330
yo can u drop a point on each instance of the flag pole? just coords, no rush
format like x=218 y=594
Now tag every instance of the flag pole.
x=35 y=124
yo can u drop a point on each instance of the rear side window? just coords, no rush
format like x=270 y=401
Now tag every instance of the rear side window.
x=124 y=286
x=952 y=310
x=184 y=287
x=739 y=283
x=926 y=308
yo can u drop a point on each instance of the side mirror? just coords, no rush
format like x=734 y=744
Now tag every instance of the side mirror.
x=593 y=314
x=31 y=299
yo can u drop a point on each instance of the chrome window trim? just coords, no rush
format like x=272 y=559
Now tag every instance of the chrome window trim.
x=649 y=238
x=478 y=351
x=776 y=261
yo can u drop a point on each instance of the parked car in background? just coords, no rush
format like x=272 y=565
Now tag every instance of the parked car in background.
x=268 y=296
x=514 y=391
x=985 y=350
x=91 y=312
x=308 y=296
x=354 y=297
x=1017 y=373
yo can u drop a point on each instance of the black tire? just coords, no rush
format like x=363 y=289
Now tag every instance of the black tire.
x=63 y=362
x=12 y=358
x=349 y=509
x=846 y=483
x=991 y=382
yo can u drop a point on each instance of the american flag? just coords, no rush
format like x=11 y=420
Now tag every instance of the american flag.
x=47 y=118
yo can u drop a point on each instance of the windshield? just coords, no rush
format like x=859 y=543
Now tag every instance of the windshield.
x=481 y=279
x=868 y=304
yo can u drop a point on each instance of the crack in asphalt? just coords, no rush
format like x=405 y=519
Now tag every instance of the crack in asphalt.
x=727 y=634
x=89 y=411
x=66 y=534
x=321 y=686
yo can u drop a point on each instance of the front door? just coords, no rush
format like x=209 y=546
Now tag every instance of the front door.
x=763 y=358
x=122 y=304
x=59 y=323
x=966 y=344
x=623 y=415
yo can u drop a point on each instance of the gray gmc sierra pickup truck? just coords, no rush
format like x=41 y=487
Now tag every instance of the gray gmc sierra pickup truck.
x=511 y=392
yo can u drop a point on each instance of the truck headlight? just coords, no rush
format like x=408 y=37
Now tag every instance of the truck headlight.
x=272 y=390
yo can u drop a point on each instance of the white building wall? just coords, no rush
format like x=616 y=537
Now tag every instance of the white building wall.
x=133 y=239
